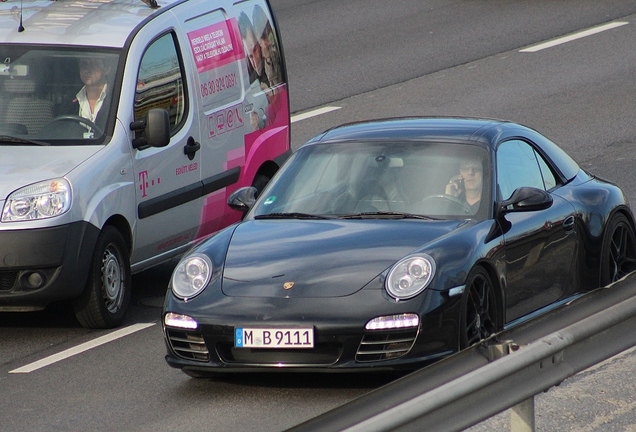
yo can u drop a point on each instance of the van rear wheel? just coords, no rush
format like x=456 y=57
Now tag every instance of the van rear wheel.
x=105 y=299
x=259 y=183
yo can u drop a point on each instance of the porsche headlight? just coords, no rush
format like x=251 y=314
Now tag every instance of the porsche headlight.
x=191 y=276
x=410 y=276
x=38 y=201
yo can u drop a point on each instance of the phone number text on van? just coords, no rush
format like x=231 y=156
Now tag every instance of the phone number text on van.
x=218 y=85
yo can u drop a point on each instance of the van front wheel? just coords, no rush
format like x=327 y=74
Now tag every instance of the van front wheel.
x=105 y=299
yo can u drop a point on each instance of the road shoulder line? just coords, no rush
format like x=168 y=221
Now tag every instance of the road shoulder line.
x=118 y=334
x=574 y=36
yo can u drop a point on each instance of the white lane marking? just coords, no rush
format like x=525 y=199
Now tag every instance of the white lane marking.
x=81 y=348
x=316 y=112
x=574 y=36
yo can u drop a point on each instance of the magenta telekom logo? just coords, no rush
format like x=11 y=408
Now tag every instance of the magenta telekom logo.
x=145 y=183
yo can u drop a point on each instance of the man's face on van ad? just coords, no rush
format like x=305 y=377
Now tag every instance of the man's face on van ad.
x=254 y=52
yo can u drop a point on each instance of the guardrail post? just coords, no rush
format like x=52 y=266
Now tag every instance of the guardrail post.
x=521 y=415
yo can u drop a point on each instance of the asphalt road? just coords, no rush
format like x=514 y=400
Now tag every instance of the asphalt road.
x=365 y=59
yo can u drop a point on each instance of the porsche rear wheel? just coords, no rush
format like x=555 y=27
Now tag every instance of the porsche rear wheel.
x=618 y=253
x=478 y=319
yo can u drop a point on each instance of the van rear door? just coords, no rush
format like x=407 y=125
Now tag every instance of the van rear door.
x=241 y=96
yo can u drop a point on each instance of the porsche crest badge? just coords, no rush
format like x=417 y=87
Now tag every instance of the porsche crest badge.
x=288 y=285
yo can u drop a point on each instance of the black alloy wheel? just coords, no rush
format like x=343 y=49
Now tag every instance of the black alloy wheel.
x=479 y=309
x=618 y=253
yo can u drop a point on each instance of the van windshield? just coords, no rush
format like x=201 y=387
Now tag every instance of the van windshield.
x=55 y=96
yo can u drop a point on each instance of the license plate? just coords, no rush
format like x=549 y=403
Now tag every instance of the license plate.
x=297 y=337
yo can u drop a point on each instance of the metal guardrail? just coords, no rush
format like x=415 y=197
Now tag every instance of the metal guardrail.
x=475 y=384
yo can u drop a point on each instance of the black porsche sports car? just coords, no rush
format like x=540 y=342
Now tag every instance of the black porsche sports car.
x=390 y=244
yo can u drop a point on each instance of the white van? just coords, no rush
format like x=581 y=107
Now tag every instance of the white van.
x=124 y=127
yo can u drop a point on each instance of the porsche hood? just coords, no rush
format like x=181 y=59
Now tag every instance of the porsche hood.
x=322 y=258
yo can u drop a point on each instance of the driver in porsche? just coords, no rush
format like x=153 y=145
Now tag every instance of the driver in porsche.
x=467 y=185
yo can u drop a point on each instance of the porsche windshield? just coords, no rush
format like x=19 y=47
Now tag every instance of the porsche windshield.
x=439 y=180
x=57 y=96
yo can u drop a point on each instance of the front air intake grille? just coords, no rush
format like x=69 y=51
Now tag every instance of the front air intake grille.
x=385 y=345
x=7 y=280
x=188 y=345
x=323 y=354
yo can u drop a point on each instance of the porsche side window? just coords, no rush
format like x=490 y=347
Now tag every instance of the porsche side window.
x=517 y=166
x=160 y=82
x=549 y=179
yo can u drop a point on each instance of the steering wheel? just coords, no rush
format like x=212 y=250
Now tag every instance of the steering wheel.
x=461 y=206
x=78 y=119
x=377 y=195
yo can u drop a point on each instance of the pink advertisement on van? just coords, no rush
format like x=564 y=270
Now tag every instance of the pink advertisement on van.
x=264 y=113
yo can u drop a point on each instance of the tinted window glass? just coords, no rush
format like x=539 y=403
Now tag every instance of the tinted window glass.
x=57 y=95
x=549 y=179
x=160 y=82
x=517 y=166
x=338 y=179
x=566 y=165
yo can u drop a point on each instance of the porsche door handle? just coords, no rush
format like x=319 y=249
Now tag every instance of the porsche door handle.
x=568 y=223
x=191 y=148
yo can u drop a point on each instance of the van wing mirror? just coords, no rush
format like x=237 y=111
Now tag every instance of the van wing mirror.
x=526 y=199
x=156 y=129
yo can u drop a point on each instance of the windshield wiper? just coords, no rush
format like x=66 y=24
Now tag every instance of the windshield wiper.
x=293 y=215
x=385 y=215
x=17 y=140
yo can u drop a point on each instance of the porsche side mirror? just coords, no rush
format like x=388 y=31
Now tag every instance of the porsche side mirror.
x=243 y=199
x=526 y=199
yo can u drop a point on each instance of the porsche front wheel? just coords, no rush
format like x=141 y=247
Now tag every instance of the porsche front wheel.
x=478 y=319
x=618 y=252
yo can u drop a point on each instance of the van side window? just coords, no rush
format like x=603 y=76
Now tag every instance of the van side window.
x=160 y=83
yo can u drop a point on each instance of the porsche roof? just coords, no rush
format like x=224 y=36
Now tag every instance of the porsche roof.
x=486 y=132
x=105 y=23
x=461 y=128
